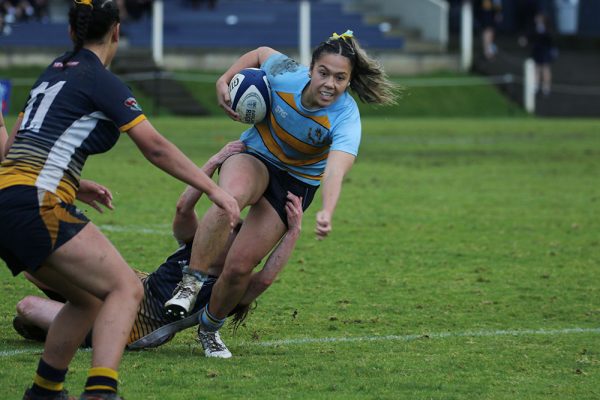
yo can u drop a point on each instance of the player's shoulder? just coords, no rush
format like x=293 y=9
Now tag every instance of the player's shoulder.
x=82 y=70
x=281 y=69
x=344 y=107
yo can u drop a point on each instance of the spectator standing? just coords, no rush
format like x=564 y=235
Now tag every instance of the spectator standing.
x=490 y=15
x=526 y=11
x=543 y=53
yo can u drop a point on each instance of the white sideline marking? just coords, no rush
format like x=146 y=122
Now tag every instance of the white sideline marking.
x=400 y=338
x=441 y=335
x=16 y=352
x=135 y=229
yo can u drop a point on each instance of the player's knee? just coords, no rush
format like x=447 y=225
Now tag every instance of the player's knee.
x=220 y=215
x=137 y=290
x=130 y=287
x=236 y=273
x=241 y=193
x=264 y=283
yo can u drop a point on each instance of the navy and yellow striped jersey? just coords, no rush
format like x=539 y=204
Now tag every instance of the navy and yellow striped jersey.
x=294 y=138
x=73 y=111
x=151 y=328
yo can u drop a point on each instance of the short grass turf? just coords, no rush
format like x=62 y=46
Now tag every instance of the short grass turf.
x=463 y=264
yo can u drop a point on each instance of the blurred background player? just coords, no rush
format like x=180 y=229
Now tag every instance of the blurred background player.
x=310 y=138
x=75 y=109
x=151 y=327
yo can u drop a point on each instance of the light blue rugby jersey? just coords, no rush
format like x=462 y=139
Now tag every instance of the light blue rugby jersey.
x=296 y=139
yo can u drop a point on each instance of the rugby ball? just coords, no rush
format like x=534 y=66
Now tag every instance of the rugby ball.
x=250 y=95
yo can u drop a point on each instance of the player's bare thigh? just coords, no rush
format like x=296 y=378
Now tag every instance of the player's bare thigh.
x=90 y=262
x=244 y=177
x=260 y=232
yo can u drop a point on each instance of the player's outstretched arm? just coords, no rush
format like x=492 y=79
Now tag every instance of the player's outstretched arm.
x=185 y=220
x=5 y=146
x=3 y=136
x=260 y=281
x=338 y=165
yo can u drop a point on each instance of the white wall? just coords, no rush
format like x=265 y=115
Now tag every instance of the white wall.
x=430 y=17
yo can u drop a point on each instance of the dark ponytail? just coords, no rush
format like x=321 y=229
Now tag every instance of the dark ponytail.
x=82 y=18
x=90 y=21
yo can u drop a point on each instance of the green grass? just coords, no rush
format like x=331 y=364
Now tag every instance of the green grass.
x=464 y=252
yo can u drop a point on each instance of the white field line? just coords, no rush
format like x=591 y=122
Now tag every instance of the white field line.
x=441 y=335
x=398 y=338
x=140 y=230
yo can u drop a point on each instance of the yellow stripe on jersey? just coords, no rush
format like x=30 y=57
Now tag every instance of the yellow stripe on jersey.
x=289 y=99
x=11 y=175
x=133 y=123
x=295 y=143
x=276 y=150
x=149 y=317
x=145 y=322
x=66 y=191
x=307 y=176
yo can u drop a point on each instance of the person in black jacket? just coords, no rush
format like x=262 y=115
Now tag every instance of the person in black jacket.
x=543 y=53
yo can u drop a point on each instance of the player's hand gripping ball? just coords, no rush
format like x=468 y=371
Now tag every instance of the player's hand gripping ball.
x=250 y=94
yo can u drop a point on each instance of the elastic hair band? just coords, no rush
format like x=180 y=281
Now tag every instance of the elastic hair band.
x=344 y=36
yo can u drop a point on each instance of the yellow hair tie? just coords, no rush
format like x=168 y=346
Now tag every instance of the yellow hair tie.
x=347 y=34
x=85 y=2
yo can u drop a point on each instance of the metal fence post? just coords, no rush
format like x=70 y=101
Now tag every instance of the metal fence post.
x=529 y=85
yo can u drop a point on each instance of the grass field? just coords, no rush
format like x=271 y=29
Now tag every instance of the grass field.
x=463 y=265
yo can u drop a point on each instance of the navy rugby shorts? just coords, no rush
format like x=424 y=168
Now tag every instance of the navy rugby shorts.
x=34 y=224
x=281 y=182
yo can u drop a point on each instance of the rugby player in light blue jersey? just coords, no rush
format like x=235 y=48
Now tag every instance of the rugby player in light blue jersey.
x=309 y=138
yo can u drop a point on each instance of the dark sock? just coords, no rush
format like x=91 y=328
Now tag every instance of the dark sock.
x=48 y=380
x=101 y=380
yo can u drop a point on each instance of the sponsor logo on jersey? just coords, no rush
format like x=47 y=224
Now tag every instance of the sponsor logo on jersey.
x=59 y=64
x=281 y=112
x=132 y=104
